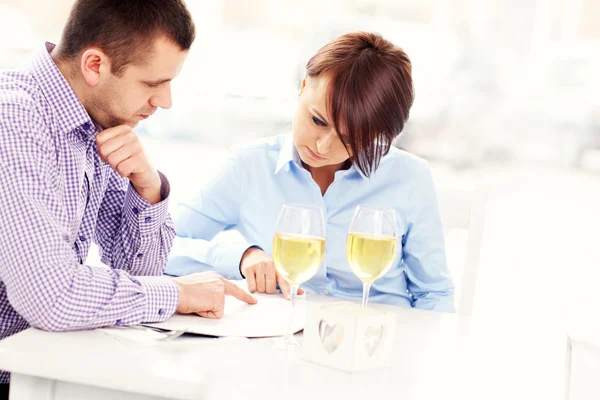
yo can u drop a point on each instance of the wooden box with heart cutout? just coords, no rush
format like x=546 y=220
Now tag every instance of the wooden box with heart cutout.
x=348 y=337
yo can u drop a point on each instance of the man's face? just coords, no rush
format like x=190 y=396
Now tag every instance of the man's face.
x=140 y=90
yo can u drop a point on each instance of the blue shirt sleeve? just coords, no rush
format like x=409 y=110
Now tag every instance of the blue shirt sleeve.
x=216 y=207
x=429 y=280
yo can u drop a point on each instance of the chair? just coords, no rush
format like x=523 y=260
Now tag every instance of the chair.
x=582 y=358
x=463 y=216
x=568 y=362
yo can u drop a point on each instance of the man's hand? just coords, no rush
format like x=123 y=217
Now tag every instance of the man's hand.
x=204 y=294
x=261 y=275
x=122 y=149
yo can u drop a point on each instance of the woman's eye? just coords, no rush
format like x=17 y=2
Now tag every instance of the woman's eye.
x=318 y=122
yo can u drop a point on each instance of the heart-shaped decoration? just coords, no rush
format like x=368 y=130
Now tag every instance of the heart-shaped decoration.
x=331 y=335
x=373 y=337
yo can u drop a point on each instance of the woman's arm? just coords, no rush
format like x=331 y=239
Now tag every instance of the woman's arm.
x=429 y=279
x=214 y=208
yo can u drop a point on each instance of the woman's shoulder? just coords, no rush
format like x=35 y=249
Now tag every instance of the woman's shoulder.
x=407 y=172
x=397 y=158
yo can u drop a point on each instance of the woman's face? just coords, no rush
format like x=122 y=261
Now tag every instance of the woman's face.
x=317 y=141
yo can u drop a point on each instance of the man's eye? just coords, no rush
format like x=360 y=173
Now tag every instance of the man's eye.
x=318 y=122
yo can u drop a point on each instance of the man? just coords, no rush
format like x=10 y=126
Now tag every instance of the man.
x=72 y=171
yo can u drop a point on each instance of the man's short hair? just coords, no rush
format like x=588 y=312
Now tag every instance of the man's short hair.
x=125 y=29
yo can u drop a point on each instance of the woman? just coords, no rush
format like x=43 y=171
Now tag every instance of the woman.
x=353 y=102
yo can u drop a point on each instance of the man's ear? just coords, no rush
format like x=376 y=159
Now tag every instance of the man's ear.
x=94 y=65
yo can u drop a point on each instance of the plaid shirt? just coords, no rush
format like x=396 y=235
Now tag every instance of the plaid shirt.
x=56 y=196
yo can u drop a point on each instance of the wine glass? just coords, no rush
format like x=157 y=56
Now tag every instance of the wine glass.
x=371 y=244
x=298 y=249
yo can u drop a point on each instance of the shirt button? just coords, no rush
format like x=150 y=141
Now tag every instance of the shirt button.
x=119 y=322
x=140 y=255
x=82 y=238
x=135 y=210
x=161 y=312
x=87 y=126
x=148 y=220
x=325 y=292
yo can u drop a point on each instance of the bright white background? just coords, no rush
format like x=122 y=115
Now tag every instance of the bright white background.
x=507 y=95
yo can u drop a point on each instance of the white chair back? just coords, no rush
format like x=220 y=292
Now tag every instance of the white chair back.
x=463 y=216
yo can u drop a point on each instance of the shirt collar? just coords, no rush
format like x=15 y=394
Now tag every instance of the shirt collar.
x=353 y=172
x=289 y=154
x=68 y=110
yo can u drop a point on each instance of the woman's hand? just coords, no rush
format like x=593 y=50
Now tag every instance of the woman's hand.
x=261 y=275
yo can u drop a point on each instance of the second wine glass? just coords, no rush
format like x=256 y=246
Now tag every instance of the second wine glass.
x=371 y=244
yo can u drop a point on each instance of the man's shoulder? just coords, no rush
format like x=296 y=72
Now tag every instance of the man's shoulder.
x=22 y=115
x=20 y=102
x=18 y=89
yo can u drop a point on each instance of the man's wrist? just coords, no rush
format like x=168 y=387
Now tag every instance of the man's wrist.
x=180 y=294
x=151 y=194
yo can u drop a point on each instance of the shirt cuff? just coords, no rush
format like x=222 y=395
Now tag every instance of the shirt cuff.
x=165 y=186
x=227 y=263
x=162 y=297
x=148 y=217
x=440 y=303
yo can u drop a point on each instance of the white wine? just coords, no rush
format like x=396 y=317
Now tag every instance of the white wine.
x=297 y=258
x=370 y=256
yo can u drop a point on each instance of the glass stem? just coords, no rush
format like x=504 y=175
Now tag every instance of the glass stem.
x=366 y=290
x=293 y=294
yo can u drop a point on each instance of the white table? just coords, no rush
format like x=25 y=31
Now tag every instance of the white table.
x=434 y=358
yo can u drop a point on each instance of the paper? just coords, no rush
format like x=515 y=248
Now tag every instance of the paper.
x=269 y=317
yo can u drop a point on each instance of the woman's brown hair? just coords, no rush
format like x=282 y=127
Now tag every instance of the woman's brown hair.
x=370 y=93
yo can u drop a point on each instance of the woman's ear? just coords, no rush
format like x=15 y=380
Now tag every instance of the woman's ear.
x=302 y=86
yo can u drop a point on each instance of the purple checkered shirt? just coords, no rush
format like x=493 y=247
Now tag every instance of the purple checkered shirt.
x=56 y=196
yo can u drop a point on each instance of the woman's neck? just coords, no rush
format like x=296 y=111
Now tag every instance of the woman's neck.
x=324 y=176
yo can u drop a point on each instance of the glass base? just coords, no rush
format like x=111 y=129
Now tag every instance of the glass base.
x=286 y=343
